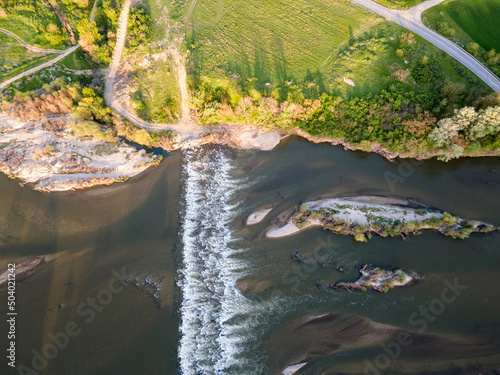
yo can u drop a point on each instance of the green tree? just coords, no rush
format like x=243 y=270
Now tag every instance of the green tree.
x=89 y=37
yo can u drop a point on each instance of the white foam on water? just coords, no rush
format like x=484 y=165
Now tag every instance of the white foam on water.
x=216 y=319
x=220 y=328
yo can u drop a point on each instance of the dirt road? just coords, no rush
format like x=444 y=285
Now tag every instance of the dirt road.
x=29 y=47
x=49 y=63
x=186 y=129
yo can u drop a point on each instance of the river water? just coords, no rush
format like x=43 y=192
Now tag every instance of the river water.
x=160 y=275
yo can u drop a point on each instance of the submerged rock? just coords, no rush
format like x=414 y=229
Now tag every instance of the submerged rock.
x=378 y=279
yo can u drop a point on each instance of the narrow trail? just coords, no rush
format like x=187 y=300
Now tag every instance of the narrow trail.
x=186 y=129
x=29 y=47
x=411 y=19
x=48 y=64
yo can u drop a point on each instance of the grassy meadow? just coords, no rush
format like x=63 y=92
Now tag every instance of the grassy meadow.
x=75 y=61
x=472 y=24
x=399 y=4
x=480 y=19
x=267 y=42
x=155 y=94
x=13 y=56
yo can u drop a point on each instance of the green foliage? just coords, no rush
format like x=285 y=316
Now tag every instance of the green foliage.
x=134 y=134
x=49 y=149
x=139 y=26
x=454 y=134
x=89 y=37
x=91 y=107
x=360 y=237
x=98 y=38
x=303 y=208
x=91 y=129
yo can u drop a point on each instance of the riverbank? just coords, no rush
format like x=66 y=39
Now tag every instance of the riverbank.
x=362 y=216
x=252 y=137
x=48 y=155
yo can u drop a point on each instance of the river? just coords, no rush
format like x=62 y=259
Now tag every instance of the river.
x=160 y=275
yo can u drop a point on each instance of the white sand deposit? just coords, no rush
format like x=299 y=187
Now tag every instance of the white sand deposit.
x=257 y=216
x=285 y=230
x=290 y=370
x=55 y=162
x=360 y=210
x=258 y=140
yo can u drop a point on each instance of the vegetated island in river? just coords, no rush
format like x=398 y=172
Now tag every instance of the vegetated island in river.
x=378 y=279
x=387 y=217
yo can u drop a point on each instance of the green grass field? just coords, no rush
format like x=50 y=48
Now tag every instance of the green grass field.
x=28 y=64
x=399 y=4
x=12 y=55
x=274 y=42
x=156 y=94
x=36 y=23
x=480 y=19
x=75 y=61
x=472 y=24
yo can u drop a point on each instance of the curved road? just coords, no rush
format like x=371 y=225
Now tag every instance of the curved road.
x=411 y=20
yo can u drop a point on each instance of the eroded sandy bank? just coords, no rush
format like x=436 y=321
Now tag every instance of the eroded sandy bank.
x=55 y=160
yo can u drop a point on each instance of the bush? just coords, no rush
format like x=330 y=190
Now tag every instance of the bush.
x=91 y=129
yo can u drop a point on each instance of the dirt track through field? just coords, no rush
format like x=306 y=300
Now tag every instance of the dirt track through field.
x=49 y=63
x=29 y=47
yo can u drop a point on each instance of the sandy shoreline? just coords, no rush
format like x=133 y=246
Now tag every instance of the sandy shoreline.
x=286 y=230
x=29 y=140
x=55 y=160
x=257 y=216
x=362 y=215
x=22 y=270
x=290 y=370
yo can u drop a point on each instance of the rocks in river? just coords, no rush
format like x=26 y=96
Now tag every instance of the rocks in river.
x=296 y=257
x=378 y=279
x=151 y=286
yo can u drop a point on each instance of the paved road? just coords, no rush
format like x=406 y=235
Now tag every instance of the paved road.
x=411 y=20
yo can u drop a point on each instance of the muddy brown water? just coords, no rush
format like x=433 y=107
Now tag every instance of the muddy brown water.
x=141 y=321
